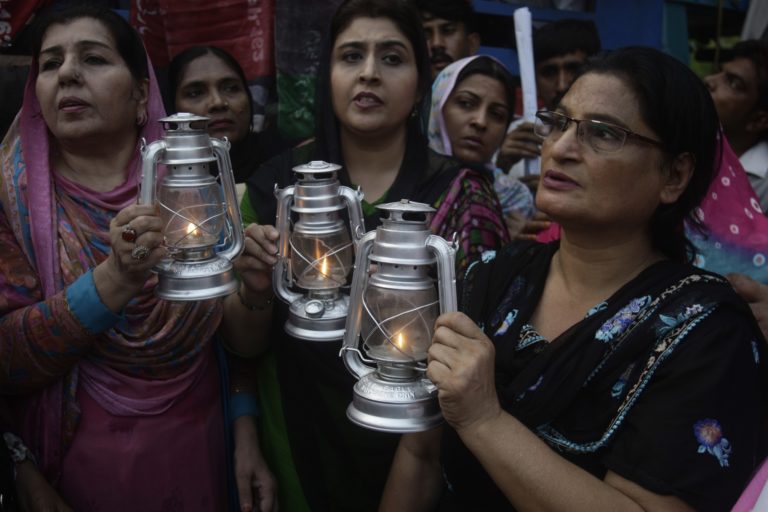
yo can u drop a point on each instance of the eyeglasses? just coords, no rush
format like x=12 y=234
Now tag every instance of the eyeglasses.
x=601 y=137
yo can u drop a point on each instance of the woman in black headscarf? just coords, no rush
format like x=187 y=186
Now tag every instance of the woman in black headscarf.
x=373 y=82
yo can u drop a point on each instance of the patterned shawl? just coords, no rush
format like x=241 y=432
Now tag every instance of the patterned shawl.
x=62 y=229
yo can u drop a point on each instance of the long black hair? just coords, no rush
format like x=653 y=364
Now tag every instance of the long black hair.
x=677 y=106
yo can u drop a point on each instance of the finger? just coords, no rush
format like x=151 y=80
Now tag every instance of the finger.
x=244 y=491
x=263 y=236
x=266 y=498
x=459 y=323
x=247 y=263
x=149 y=239
x=749 y=289
x=256 y=250
x=129 y=213
x=438 y=373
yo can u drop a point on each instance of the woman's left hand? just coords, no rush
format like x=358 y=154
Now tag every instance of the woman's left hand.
x=256 y=486
x=461 y=365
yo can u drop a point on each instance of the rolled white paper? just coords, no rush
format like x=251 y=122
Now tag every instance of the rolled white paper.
x=527 y=75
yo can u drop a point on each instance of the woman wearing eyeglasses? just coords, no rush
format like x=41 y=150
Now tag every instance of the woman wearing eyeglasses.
x=601 y=371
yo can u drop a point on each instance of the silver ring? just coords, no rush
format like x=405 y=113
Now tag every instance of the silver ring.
x=139 y=252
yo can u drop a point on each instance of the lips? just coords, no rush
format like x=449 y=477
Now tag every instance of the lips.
x=72 y=104
x=220 y=123
x=558 y=181
x=472 y=142
x=366 y=100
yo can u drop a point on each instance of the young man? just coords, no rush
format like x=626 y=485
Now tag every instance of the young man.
x=559 y=50
x=740 y=93
x=449 y=27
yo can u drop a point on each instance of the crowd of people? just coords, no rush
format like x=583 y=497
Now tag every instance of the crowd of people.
x=601 y=358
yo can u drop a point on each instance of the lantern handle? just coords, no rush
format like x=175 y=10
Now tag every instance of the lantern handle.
x=354 y=199
x=349 y=351
x=227 y=180
x=446 y=271
x=149 y=155
x=282 y=277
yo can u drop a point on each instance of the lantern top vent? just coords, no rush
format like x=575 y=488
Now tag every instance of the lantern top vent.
x=407 y=210
x=317 y=170
x=182 y=121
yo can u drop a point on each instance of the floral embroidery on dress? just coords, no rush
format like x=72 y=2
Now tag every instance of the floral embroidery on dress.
x=621 y=320
x=618 y=388
x=709 y=434
x=600 y=307
x=755 y=352
x=528 y=336
x=488 y=256
x=670 y=322
x=507 y=323
x=515 y=288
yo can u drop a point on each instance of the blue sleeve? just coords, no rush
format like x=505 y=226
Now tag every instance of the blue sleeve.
x=85 y=304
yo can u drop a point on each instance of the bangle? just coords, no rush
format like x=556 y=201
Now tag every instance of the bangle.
x=243 y=404
x=252 y=307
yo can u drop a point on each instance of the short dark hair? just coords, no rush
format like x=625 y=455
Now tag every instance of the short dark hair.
x=677 y=106
x=459 y=11
x=563 y=37
x=179 y=64
x=127 y=40
x=757 y=52
x=487 y=66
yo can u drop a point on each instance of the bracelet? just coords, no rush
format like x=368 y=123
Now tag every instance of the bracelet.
x=252 y=307
x=17 y=449
x=243 y=404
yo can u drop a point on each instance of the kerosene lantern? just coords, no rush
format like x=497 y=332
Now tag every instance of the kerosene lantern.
x=394 y=302
x=202 y=228
x=316 y=251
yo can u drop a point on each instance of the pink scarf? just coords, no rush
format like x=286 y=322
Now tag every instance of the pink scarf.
x=34 y=134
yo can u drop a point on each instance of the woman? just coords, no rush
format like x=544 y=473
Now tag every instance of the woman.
x=472 y=102
x=124 y=405
x=609 y=373
x=208 y=81
x=375 y=76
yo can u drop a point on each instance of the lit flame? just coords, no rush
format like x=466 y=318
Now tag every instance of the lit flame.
x=324 y=267
x=192 y=229
x=400 y=341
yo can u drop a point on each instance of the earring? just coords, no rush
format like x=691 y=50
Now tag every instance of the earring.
x=141 y=119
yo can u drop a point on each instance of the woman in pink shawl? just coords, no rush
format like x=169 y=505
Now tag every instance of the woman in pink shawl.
x=122 y=396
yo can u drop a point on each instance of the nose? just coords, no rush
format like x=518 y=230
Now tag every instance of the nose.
x=566 y=146
x=563 y=80
x=217 y=101
x=479 y=119
x=436 y=40
x=69 y=71
x=369 y=70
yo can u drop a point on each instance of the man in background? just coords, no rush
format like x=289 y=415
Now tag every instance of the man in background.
x=450 y=31
x=560 y=49
x=740 y=93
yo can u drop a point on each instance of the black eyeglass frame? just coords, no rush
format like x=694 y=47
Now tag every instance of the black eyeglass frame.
x=628 y=134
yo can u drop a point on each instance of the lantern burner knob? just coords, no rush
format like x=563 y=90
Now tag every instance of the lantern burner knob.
x=314 y=309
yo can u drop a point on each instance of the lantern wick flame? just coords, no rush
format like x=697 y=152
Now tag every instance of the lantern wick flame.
x=192 y=229
x=400 y=341
x=324 y=267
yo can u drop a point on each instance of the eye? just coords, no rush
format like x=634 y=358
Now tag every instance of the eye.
x=193 y=92
x=49 y=64
x=392 y=59
x=499 y=115
x=448 y=29
x=232 y=88
x=351 y=57
x=604 y=132
x=95 y=60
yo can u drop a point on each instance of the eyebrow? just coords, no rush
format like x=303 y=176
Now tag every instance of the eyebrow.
x=80 y=44
x=477 y=97
x=389 y=43
x=595 y=116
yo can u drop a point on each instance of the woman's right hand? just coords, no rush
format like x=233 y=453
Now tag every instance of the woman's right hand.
x=136 y=239
x=35 y=493
x=258 y=258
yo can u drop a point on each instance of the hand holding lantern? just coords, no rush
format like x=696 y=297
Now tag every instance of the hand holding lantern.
x=316 y=252
x=196 y=217
x=393 y=307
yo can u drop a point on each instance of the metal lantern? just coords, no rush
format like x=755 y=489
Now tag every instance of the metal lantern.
x=394 y=303
x=202 y=228
x=316 y=252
